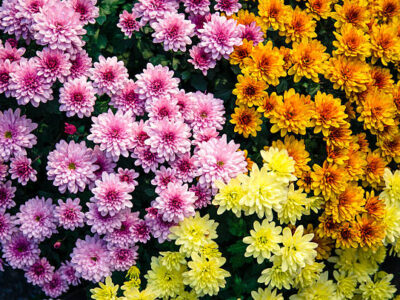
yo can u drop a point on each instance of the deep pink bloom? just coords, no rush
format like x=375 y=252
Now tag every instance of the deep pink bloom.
x=57 y=245
x=252 y=32
x=108 y=75
x=122 y=258
x=163 y=177
x=111 y=195
x=153 y=10
x=77 y=97
x=71 y=166
x=7 y=193
x=141 y=231
x=102 y=224
x=11 y=23
x=40 y=272
x=53 y=64
x=197 y=7
x=208 y=112
x=128 y=176
x=56 y=286
x=87 y=10
x=15 y=134
x=69 y=214
x=168 y=138
x=13 y=42
x=140 y=133
x=36 y=219
x=229 y=7
x=20 y=251
x=128 y=22
x=175 y=203
x=147 y=159
x=104 y=163
x=28 y=86
x=203 y=195
x=201 y=60
x=114 y=133
x=219 y=36
x=127 y=98
x=125 y=234
x=185 y=104
x=26 y=10
x=199 y=20
x=69 y=128
x=21 y=169
x=204 y=135
x=81 y=64
x=158 y=227
x=185 y=168
x=68 y=273
x=165 y=107
x=7 y=226
x=8 y=52
x=91 y=259
x=173 y=31
x=6 y=69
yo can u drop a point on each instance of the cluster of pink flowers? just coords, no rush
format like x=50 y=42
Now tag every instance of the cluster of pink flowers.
x=217 y=33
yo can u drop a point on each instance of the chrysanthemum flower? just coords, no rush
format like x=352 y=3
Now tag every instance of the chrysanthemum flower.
x=100 y=223
x=380 y=288
x=328 y=179
x=308 y=58
x=127 y=98
x=279 y=163
x=294 y=206
x=240 y=53
x=208 y=112
x=386 y=10
x=339 y=136
x=67 y=273
x=351 y=41
x=58 y=26
x=122 y=258
x=266 y=294
x=265 y=63
x=128 y=22
x=128 y=176
x=21 y=169
x=56 y=286
x=28 y=86
x=81 y=64
x=153 y=10
x=11 y=23
x=20 y=251
x=385 y=44
x=8 y=226
x=106 y=290
x=319 y=289
x=87 y=10
x=247 y=121
x=249 y=91
x=77 y=97
x=382 y=79
x=298 y=25
x=6 y=69
x=252 y=32
x=228 y=7
x=293 y=114
x=308 y=275
x=345 y=284
x=275 y=277
x=147 y=159
x=269 y=103
x=40 y=272
x=197 y=7
x=11 y=53
x=219 y=35
x=390 y=148
x=69 y=214
x=201 y=60
x=374 y=207
x=228 y=196
x=203 y=195
x=90 y=259
x=71 y=166
x=374 y=169
x=272 y=14
x=53 y=65
x=319 y=8
x=102 y=161
x=185 y=168
x=108 y=75
x=325 y=244
x=371 y=232
x=263 y=241
x=347 y=236
x=353 y=12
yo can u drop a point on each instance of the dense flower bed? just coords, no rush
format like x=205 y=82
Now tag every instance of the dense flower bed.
x=226 y=149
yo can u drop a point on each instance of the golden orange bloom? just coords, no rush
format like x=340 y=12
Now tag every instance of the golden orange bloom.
x=385 y=44
x=272 y=14
x=305 y=181
x=245 y=17
x=298 y=26
x=325 y=244
x=337 y=155
x=327 y=227
x=386 y=10
x=319 y=8
x=371 y=231
x=374 y=170
x=377 y=110
x=350 y=112
x=389 y=148
x=328 y=113
x=347 y=236
x=352 y=41
x=361 y=140
x=374 y=206
x=240 y=53
x=348 y=74
x=355 y=164
x=308 y=59
x=293 y=114
x=249 y=91
x=354 y=12
x=268 y=104
x=346 y=205
x=247 y=121
x=287 y=57
x=329 y=179
x=248 y=159
x=339 y=136
x=265 y=63
x=382 y=79
x=396 y=96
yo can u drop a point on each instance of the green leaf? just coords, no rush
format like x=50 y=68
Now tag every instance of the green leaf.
x=185 y=75
x=237 y=228
x=198 y=82
x=102 y=41
x=100 y=20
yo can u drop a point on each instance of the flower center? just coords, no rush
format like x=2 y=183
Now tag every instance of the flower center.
x=71 y=166
x=108 y=75
x=52 y=63
x=8 y=135
x=77 y=97
x=4 y=77
x=112 y=196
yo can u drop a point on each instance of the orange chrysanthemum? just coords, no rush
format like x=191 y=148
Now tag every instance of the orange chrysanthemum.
x=327 y=227
x=325 y=244
x=298 y=26
x=350 y=112
x=374 y=169
x=374 y=206
x=287 y=57
x=293 y=114
x=382 y=79
x=245 y=17
x=386 y=10
x=352 y=41
x=390 y=148
x=272 y=14
x=396 y=96
x=354 y=12
x=355 y=165
x=361 y=140
x=385 y=44
x=319 y=8
x=330 y=179
x=336 y=155
x=247 y=121
x=328 y=113
x=371 y=231
x=339 y=136
x=248 y=159
x=268 y=104
x=308 y=59
x=241 y=52
x=347 y=236
x=305 y=181
x=249 y=91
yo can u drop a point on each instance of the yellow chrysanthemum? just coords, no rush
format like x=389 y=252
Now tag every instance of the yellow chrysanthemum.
x=328 y=179
x=320 y=289
x=308 y=275
x=247 y=121
x=205 y=275
x=352 y=41
x=266 y=294
x=380 y=288
x=386 y=10
x=374 y=170
x=106 y=291
x=337 y=155
x=293 y=114
x=275 y=276
x=272 y=14
x=280 y=163
x=355 y=165
x=354 y=12
x=293 y=207
x=372 y=232
x=263 y=241
x=228 y=196
x=396 y=95
x=374 y=207
x=240 y=53
x=210 y=249
x=265 y=63
x=135 y=294
x=305 y=181
x=172 y=260
x=298 y=26
x=187 y=296
x=249 y=91
x=389 y=148
x=345 y=285
x=392 y=223
x=319 y=8
x=385 y=44
x=391 y=191
x=268 y=104
x=287 y=57
x=308 y=58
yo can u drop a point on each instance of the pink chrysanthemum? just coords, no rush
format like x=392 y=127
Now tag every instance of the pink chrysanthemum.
x=11 y=23
x=3 y=170
x=6 y=69
x=208 y=112
x=215 y=164
x=20 y=251
x=158 y=227
x=8 y=52
x=77 y=97
x=197 y=7
x=105 y=163
x=175 y=203
x=163 y=177
x=163 y=108
x=28 y=86
x=40 y=272
x=127 y=98
x=153 y=10
x=108 y=75
x=102 y=224
x=7 y=226
x=203 y=195
x=56 y=286
x=91 y=259
x=147 y=159
x=21 y=169
x=53 y=65
x=185 y=168
x=199 y=20
x=204 y=135
x=122 y=258
x=141 y=231
x=173 y=31
x=26 y=10
x=87 y=10
x=15 y=134
x=114 y=133
x=7 y=193
x=140 y=134
x=111 y=195
x=80 y=65
x=252 y=32
x=69 y=214
x=71 y=166
x=155 y=82
x=128 y=176
x=185 y=104
x=58 y=26
x=201 y=60
x=128 y=22
x=229 y=7
x=124 y=235
x=68 y=274
x=219 y=36
x=169 y=139
x=36 y=219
